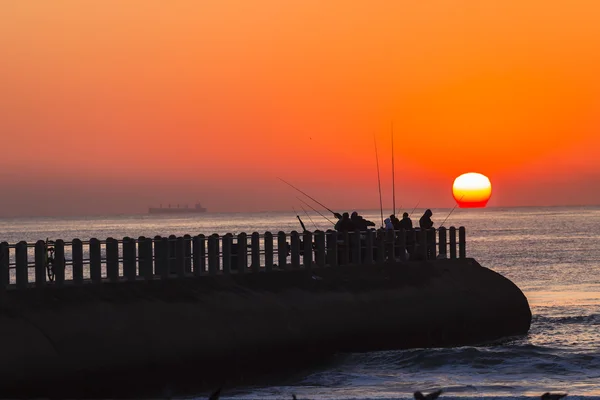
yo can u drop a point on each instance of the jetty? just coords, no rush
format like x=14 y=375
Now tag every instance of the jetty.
x=131 y=316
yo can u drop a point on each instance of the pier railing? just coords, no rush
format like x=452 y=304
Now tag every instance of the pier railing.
x=77 y=262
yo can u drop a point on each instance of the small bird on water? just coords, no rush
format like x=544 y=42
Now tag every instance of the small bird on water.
x=552 y=396
x=435 y=395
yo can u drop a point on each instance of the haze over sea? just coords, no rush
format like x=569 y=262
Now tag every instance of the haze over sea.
x=552 y=254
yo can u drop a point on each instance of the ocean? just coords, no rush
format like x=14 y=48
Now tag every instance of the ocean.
x=551 y=253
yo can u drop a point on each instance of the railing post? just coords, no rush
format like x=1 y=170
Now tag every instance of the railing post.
x=187 y=253
x=332 y=248
x=129 y=267
x=145 y=257
x=320 y=248
x=431 y=245
x=355 y=246
x=4 y=265
x=226 y=253
x=59 y=262
x=381 y=238
x=77 y=256
x=282 y=250
x=180 y=257
x=423 y=244
x=369 y=242
x=213 y=254
x=199 y=249
x=295 y=244
x=462 y=242
x=402 y=248
x=112 y=259
x=452 y=242
x=307 y=258
x=40 y=263
x=21 y=267
x=157 y=249
x=268 y=239
x=242 y=253
x=95 y=261
x=164 y=256
x=255 y=257
x=141 y=263
x=413 y=243
x=442 y=245
x=172 y=254
x=391 y=244
x=345 y=250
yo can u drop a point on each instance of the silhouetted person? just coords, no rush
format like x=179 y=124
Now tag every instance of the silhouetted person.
x=430 y=396
x=388 y=224
x=360 y=223
x=395 y=222
x=552 y=396
x=406 y=222
x=344 y=224
x=425 y=222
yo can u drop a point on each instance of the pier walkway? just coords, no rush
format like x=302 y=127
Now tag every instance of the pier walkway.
x=28 y=265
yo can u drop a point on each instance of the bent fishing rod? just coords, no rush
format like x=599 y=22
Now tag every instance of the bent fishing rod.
x=309 y=218
x=399 y=209
x=297 y=216
x=393 y=174
x=327 y=208
x=452 y=210
x=315 y=210
x=414 y=208
x=378 y=180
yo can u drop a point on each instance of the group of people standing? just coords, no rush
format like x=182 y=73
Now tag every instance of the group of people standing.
x=354 y=221
x=351 y=222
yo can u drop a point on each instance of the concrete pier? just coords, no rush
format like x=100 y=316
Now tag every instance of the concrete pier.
x=124 y=337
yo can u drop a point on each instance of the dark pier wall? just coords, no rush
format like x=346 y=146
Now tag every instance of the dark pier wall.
x=77 y=340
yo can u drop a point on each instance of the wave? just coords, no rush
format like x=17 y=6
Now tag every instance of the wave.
x=590 y=319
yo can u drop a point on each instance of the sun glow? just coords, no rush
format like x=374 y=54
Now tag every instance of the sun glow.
x=472 y=190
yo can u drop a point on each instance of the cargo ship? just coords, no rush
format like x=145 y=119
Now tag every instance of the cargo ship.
x=177 y=210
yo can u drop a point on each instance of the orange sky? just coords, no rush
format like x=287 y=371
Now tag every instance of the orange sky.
x=111 y=106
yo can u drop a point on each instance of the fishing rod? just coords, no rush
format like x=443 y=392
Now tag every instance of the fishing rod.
x=414 y=208
x=309 y=218
x=399 y=209
x=315 y=210
x=393 y=177
x=378 y=180
x=452 y=210
x=328 y=209
x=297 y=216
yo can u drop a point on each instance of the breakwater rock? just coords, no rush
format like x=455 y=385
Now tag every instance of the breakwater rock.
x=121 y=339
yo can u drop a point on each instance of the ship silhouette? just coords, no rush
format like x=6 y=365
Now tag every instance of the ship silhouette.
x=177 y=210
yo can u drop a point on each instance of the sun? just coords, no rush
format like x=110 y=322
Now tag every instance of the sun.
x=472 y=190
